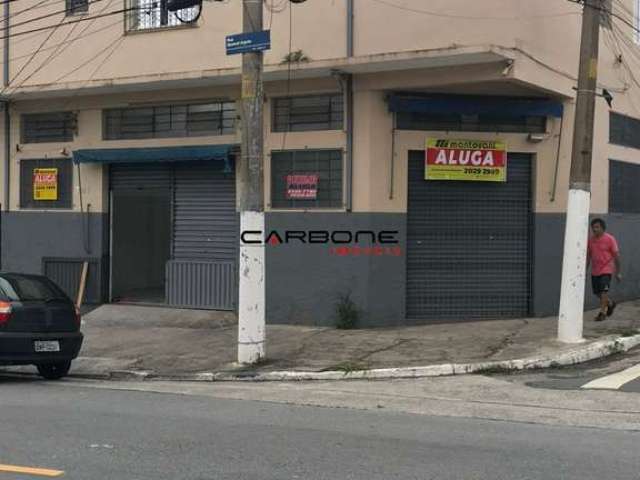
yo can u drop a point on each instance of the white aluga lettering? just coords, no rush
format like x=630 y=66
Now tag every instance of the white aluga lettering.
x=476 y=158
x=441 y=158
x=452 y=158
x=464 y=157
x=488 y=159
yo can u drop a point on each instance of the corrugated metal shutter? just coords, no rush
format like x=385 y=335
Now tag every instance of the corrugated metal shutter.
x=468 y=245
x=205 y=223
x=203 y=269
x=140 y=176
x=66 y=274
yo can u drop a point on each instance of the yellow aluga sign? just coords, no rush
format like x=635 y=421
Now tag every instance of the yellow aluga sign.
x=45 y=184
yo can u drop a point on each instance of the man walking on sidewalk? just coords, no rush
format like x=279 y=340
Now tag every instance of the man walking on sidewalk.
x=604 y=256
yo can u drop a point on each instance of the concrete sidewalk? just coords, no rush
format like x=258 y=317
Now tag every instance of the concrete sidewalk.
x=151 y=342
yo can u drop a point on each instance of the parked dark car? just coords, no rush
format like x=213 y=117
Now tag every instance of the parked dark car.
x=39 y=325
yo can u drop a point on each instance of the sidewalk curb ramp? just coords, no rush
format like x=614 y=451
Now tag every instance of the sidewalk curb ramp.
x=587 y=352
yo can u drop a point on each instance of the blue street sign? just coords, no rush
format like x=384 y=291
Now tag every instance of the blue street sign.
x=248 y=42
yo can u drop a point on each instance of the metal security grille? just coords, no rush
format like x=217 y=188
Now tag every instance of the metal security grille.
x=624 y=194
x=455 y=122
x=47 y=127
x=624 y=130
x=301 y=114
x=327 y=164
x=468 y=245
x=170 y=121
x=65 y=183
x=151 y=14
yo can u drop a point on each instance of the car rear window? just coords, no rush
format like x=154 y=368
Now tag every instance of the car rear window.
x=24 y=289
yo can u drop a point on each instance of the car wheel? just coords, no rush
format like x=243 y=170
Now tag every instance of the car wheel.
x=54 y=371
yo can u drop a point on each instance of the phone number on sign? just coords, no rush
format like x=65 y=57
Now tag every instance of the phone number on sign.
x=482 y=171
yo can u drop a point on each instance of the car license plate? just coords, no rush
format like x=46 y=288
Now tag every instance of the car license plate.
x=46 y=345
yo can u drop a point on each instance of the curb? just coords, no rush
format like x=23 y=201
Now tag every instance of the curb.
x=592 y=351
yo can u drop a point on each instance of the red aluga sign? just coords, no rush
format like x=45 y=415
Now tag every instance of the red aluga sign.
x=302 y=187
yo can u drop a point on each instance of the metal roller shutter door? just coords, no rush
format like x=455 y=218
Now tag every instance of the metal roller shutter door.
x=203 y=269
x=140 y=176
x=468 y=245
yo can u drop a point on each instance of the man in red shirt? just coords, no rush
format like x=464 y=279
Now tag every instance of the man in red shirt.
x=604 y=256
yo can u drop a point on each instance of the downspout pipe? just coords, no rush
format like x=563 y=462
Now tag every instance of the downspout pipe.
x=348 y=97
x=7 y=116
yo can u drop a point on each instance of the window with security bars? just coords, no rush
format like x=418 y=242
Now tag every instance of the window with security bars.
x=217 y=118
x=624 y=130
x=56 y=176
x=153 y=14
x=76 y=6
x=321 y=173
x=47 y=127
x=624 y=194
x=454 y=122
x=302 y=114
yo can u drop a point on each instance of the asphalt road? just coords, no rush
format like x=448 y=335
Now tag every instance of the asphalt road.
x=101 y=434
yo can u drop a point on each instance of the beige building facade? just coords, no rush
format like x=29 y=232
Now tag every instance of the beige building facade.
x=133 y=116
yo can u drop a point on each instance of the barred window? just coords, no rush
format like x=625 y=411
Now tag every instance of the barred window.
x=169 y=121
x=76 y=6
x=624 y=194
x=47 y=127
x=624 y=130
x=153 y=14
x=301 y=114
x=455 y=122
x=53 y=188
x=321 y=174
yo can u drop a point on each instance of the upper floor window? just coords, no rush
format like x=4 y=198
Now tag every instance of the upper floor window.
x=47 y=127
x=624 y=131
x=170 y=121
x=624 y=195
x=153 y=14
x=301 y=114
x=76 y=6
x=458 y=122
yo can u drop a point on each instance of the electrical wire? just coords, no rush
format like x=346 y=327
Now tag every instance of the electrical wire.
x=60 y=49
x=83 y=19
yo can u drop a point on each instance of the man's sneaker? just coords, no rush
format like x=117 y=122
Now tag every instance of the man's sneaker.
x=611 y=308
x=601 y=316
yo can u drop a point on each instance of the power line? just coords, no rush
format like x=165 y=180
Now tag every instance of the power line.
x=83 y=19
x=52 y=14
x=60 y=48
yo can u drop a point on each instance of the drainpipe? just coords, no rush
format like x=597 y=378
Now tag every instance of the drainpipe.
x=7 y=116
x=348 y=97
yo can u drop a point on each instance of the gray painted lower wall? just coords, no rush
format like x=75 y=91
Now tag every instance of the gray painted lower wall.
x=305 y=282
x=549 y=242
x=30 y=237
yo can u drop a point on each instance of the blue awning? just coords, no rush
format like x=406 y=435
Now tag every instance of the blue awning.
x=475 y=105
x=156 y=154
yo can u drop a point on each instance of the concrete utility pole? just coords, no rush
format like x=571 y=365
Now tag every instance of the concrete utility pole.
x=251 y=308
x=570 y=320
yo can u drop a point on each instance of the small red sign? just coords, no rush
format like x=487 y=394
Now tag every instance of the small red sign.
x=302 y=187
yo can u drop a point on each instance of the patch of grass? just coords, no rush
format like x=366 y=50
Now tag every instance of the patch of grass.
x=495 y=370
x=347 y=313
x=346 y=367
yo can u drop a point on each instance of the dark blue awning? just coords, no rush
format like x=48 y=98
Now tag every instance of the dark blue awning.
x=475 y=105
x=156 y=154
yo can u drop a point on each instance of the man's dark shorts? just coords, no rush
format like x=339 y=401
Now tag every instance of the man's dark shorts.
x=600 y=284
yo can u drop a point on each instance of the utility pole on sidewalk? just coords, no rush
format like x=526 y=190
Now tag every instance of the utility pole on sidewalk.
x=570 y=320
x=251 y=308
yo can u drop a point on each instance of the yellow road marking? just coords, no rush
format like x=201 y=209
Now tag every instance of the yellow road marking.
x=40 y=472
